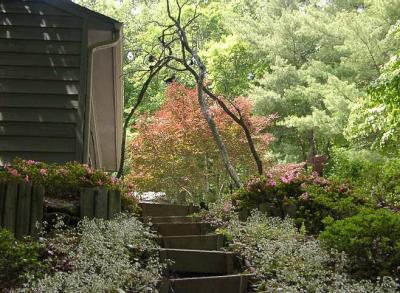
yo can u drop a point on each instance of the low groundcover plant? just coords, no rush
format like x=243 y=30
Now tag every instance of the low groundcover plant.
x=99 y=256
x=286 y=260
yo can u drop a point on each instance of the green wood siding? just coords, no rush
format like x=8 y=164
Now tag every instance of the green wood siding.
x=47 y=60
x=49 y=21
x=40 y=47
x=28 y=7
x=43 y=73
x=41 y=92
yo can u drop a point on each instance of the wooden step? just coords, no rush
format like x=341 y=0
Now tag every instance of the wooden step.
x=166 y=210
x=193 y=255
x=182 y=229
x=195 y=242
x=214 y=284
x=176 y=219
x=198 y=261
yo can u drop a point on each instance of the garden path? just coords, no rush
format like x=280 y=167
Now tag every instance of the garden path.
x=198 y=263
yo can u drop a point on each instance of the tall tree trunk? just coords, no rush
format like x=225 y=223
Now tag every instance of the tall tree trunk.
x=205 y=110
x=241 y=122
x=253 y=150
x=206 y=173
x=313 y=148
x=199 y=77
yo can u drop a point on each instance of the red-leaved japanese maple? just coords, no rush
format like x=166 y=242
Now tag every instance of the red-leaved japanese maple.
x=173 y=150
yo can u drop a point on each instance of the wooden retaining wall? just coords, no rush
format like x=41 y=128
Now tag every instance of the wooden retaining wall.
x=99 y=203
x=269 y=209
x=21 y=207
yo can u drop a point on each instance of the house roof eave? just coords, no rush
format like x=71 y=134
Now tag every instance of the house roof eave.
x=83 y=12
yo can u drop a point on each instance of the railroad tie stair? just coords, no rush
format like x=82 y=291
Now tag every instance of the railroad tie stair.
x=198 y=265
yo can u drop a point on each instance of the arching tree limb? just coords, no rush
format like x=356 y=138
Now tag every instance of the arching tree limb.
x=200 y=77
x=156 y=69
x=242 y=123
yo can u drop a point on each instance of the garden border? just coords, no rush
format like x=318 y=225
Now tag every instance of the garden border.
x=22 y=206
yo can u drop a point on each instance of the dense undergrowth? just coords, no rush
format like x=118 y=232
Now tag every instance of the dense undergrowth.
x=338 y=233
x=316 y=234
x=287 y=260
x=97 y=256
x=17 y=259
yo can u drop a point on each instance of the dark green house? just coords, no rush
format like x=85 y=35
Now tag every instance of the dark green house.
x=60 y=83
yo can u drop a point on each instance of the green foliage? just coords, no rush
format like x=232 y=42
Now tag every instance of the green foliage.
x=218 y=213
x=308 y=199
x=375 y=120
x=233 y=64
x=100 y=256
x=353 y=164
x=226 y=234
x=311 y=61
x=17 y=259
x=334 y=201
x=371 y=239
x=374 y=177
x=286 y=260
x=323 y=57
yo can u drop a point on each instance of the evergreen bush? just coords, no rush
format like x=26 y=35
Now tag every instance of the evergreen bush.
x=371 y=239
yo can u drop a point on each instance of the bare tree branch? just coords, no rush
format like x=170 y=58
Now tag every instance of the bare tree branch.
x=200 y=77
x=177 y=33
x=242 y=123
x=156 y=69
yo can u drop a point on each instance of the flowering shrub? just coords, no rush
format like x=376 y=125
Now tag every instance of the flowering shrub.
x=218 y=213
x=286 y=260
x=308 y=198
x=278 y=185
x=65 y=180
x=54 y=177
x=100 y=256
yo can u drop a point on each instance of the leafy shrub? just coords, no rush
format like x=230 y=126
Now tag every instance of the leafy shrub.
x=306 y=197
x=17 y=258
x=285 y=260
x=334 y=200
x=353 y=164
x=100 y=256
x=65 y=180
x=374 y=177
x=67 y=177
x=275 y=188
x=371 y=239
x=218 y=213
